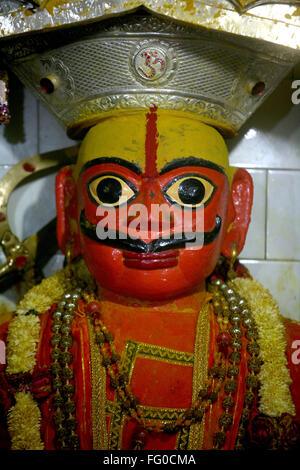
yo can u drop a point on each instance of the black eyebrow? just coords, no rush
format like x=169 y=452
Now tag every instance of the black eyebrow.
x=191 y=161
x=118 y=161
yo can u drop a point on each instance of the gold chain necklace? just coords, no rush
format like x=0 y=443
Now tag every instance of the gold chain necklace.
x=62 y=371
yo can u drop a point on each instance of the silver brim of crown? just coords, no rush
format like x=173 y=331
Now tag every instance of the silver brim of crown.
x=138 y=61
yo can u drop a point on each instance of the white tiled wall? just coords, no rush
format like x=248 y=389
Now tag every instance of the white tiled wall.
x=268 y=146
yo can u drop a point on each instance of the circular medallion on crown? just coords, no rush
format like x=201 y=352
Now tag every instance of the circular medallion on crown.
x=153 y=62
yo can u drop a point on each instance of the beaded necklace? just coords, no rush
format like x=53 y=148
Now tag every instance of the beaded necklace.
x=235 y=321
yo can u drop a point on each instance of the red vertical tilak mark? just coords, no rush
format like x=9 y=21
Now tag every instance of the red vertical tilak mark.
x=151 y=143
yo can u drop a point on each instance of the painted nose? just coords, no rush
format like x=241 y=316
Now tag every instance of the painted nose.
x=150 y=216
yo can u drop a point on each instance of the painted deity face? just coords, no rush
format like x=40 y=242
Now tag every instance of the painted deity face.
x=153 y=196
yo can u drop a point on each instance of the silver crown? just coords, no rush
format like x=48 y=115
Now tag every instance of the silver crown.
x=140 y=60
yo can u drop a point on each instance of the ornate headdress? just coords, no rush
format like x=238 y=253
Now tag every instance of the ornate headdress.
x=205 y=58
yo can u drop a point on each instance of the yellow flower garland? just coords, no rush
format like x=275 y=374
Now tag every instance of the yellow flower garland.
x=23 y=336
x=24 y=330
x=43 y=295
x=275 y=395
x=24 y=423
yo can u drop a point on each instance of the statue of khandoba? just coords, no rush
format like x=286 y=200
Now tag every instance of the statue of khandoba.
x=153 y=336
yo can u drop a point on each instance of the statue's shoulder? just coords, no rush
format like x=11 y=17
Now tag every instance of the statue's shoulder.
x=36 y=302
x=43 y=295
x=24 y=330
x=292 y=328
x=292 y=333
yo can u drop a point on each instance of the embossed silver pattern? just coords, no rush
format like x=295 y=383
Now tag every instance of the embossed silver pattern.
x=211 y=78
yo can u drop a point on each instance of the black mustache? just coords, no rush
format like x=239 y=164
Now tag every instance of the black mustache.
x=140 y=246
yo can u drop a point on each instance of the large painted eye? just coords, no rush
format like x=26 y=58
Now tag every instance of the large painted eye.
x=189 y=191
x=111 y=190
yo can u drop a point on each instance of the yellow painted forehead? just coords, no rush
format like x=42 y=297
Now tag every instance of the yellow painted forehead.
x=177 y=136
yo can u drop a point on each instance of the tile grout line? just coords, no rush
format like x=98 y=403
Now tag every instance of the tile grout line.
x=266 y=213
x=38 y=127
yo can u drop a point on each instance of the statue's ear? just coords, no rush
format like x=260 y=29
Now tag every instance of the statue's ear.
x=239 y=212
x=66 y=205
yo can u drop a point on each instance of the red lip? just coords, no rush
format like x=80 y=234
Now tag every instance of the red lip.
x=163 y=259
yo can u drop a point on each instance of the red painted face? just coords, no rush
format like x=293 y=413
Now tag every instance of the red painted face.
x=154 y=231
x=156 y=265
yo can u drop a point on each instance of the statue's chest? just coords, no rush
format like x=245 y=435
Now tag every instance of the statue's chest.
x=157 y=358
x=164 y=357
x=161 y=379
x=157 y=353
